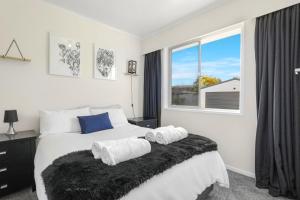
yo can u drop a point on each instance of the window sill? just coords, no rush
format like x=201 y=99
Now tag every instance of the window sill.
x=209 y=111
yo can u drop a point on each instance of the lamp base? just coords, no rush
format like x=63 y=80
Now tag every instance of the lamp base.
x=11 y=130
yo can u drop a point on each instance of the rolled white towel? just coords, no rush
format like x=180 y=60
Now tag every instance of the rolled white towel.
x=98 y=146
x=182 y=130
x=151 y=134
x=171 y=135
x=113 y=152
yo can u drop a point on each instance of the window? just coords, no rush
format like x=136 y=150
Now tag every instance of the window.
x=206 y=73
x=184 y=74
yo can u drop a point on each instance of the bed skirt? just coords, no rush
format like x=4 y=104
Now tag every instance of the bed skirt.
x=205 y=193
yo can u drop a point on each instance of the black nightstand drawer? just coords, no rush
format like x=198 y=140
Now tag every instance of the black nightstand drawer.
x=144 y=122
x=15 y=154
x=4 y=189
x=3 y=176
x=3 y=154
x=148 y=124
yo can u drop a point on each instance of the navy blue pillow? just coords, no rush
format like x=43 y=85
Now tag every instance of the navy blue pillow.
x=94 y=123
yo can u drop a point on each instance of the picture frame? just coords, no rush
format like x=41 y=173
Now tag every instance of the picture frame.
x=64 y=56
x=104 y=63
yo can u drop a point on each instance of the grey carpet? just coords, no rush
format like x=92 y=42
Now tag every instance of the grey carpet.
x=241 y=188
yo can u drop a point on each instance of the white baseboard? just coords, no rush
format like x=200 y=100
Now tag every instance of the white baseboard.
x=240 y=171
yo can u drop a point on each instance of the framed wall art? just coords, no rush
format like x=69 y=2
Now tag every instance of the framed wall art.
x=104 y=64
x=64 y=56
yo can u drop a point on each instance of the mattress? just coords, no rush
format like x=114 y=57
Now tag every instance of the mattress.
x=183 y=181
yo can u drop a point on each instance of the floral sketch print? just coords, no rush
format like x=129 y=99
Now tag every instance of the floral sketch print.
x=70 y=55
x=104 y=61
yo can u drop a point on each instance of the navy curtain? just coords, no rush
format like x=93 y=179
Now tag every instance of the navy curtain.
x=277 y=49
x=152 y=85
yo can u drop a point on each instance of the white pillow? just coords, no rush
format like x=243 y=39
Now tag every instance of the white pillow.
x=116 y=115
x=51 y=122
x=62 y=121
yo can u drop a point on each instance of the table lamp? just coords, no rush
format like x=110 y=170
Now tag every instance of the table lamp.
x=10 y=116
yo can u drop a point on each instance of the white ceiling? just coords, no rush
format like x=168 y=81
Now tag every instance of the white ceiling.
x=139 y=17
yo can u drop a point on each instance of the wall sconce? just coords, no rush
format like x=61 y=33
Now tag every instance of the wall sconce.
x=132 y=64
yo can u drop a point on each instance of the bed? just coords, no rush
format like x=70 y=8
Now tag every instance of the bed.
x=186 y=180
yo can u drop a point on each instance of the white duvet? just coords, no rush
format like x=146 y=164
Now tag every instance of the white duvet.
x=183 y=181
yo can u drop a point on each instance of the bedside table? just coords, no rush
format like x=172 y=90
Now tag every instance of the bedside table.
x=16 y=161
x=146 y=122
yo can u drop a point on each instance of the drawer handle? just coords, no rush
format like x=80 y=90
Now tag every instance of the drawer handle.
x=3 y=186
x=3 y=153
x=3 y=170
x=148 y=125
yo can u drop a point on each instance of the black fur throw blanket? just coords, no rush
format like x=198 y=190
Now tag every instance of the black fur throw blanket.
x=78 y=176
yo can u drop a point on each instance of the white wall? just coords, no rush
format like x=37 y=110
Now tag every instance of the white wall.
x=235 y=134
x=28 y=88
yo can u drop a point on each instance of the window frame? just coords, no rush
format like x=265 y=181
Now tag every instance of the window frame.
x=239 y=28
